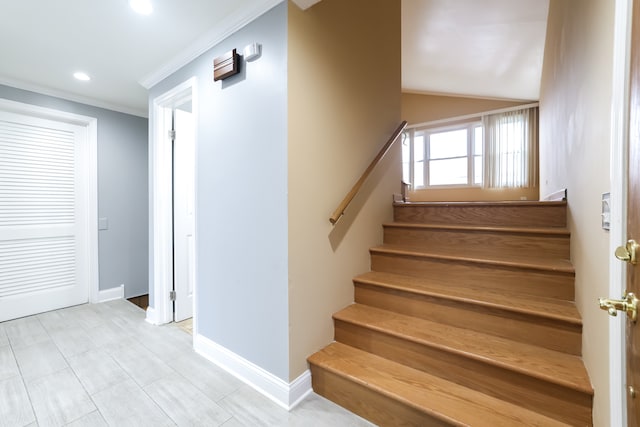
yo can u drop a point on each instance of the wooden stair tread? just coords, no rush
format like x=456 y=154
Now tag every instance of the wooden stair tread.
x=550 y=231
x=551 y=308
x=429 y=394
x=485 y=203
x=507 y=260
x=547 y=365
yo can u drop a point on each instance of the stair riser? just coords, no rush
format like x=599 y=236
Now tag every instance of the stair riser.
x=548 y=333
x=562 y=403
x=479 y=242
x=547 y=215
x=526 y=281
x=368 y=403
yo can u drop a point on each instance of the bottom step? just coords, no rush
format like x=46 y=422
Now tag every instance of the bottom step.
x=399 y=395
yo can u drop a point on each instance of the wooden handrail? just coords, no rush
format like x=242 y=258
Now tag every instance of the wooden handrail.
x=337 y=214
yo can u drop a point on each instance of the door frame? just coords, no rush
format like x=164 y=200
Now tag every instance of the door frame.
x=89 y=155
x=618 y=186
x=160 y=309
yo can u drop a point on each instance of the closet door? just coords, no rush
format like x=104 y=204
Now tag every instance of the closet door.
x=43 y=216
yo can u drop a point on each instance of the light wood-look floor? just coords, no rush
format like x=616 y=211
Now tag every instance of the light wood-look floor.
x=103 y=365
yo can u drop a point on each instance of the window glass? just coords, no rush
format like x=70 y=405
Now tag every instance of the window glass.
x=477 y=140
x=443 y=145
x=477 y=170
x=418 y=160
x=448 y=172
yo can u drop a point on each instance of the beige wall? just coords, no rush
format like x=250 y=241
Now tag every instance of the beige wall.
x=344 y=102
x=420 y=108
x=575 y=102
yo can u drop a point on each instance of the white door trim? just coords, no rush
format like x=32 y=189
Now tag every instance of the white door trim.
x=161 y=232
x=618 y=231
x=91 y=157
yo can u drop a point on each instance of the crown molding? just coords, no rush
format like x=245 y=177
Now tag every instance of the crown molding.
x=224 y=29
x=43 y=90
x=305 y=4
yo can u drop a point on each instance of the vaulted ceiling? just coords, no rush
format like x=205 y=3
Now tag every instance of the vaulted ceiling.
x=470 y=47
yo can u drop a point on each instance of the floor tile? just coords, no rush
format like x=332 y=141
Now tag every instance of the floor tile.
x=207 y=377
x=106 y=333
x=39 y=359
x=184 y=403
x=251 y=408
x=4 y=340
x=86 y=316
x=126 y=404
x=73 y=341
x=97 y=370
x=120 y=370
x=94 y=419
x=233 y=422
x=25 y=332
x=59 y=398
x=141 y=365
x=316 y=411
x=164 y=346
x=56 y=321
x=15 y=406
x=8 y=365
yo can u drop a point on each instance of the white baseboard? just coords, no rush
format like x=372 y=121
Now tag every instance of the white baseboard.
x=287 y=395
x=556 y=196
x=111 y=294
x=151 y=316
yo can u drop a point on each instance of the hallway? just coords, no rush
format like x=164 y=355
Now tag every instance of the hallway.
x=103 y=365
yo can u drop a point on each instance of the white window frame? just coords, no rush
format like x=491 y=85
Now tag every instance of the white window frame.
x=427 y=132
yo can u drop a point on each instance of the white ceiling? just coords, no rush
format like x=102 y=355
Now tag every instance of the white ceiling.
x=485 y=48
x=471 y=47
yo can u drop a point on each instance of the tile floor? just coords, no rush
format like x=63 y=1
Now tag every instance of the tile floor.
x=103 y=365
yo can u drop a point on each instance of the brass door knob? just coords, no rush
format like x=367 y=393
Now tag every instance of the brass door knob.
x=629 y=305
x=628 y=252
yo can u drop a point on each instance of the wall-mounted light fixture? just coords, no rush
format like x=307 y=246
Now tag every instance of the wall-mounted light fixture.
x=225 y=65
x=252 y=52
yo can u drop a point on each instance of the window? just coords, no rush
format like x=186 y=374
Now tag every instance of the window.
x=450 y=156
x=497 y=150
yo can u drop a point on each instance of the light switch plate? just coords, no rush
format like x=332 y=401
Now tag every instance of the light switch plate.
x=103 y=224
x=606 y=211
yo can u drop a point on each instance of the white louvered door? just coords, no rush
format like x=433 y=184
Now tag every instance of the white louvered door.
x=43 y=256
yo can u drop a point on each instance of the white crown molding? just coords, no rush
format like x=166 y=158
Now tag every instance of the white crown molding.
x=287 y=395
x=224 y=29
x=42 y=90
x=305 y=4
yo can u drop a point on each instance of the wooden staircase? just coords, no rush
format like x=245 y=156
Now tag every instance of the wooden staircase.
x=467 y=318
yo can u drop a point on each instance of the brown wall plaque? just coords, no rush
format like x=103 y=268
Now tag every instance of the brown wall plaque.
x=225 y=66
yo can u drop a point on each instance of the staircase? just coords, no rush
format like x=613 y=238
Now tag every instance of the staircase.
x=467 y=318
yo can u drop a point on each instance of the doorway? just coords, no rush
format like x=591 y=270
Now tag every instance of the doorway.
x=48 y=220
x=172 y=196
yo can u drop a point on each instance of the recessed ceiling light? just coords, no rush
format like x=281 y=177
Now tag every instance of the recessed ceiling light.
x=143 y=7
x=81 y=76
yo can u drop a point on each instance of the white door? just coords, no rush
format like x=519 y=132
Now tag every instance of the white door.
x=183 y=208
x=43 y=217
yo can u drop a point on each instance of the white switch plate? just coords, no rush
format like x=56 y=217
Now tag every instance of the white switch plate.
x=103 y=224
x=606 y=211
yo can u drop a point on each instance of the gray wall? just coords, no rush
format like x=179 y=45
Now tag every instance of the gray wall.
x=122 y=189
x=241 y=206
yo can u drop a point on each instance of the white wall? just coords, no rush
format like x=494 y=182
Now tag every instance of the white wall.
x=575 y=103
x=241 y=206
